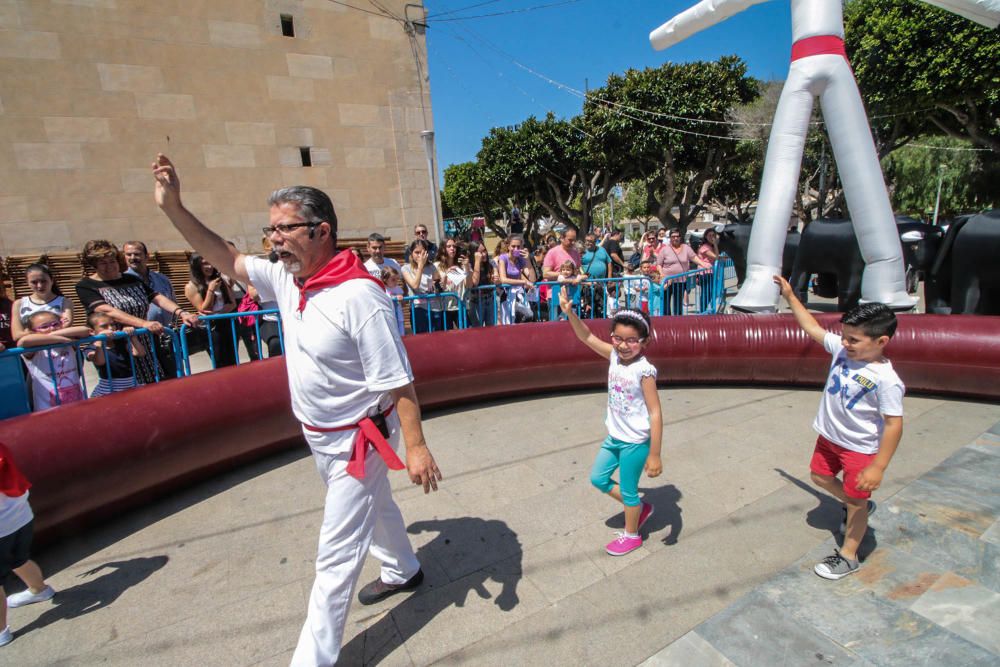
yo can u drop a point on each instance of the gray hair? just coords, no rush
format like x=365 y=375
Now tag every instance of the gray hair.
x=314 y=204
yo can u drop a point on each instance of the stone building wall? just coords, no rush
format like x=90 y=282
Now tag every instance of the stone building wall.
x=91 y=90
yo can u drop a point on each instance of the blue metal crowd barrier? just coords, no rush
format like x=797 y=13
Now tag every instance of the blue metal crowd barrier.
x=214 y=338
x=434 y=311
x=702 y=291
x=14 y=381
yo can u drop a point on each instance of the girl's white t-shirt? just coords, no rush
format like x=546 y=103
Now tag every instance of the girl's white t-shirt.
x=628 y=418
x=856 y=397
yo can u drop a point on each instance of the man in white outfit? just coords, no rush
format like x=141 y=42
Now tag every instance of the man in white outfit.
x=352 y=390
x=819 y=68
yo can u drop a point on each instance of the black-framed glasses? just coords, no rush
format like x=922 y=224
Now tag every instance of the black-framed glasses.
x=285 y=230
x=631 y=340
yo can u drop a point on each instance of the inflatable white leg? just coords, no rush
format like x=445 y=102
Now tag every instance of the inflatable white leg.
x=884 y=277
x=778 y=189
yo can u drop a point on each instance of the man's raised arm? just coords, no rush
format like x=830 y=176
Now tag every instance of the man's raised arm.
x=205 y=242
x=695 y=19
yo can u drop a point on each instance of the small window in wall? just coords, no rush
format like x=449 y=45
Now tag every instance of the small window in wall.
x=287 y=25
x=306 y=156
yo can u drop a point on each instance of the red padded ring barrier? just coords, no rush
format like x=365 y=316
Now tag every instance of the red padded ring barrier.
x=95 y=458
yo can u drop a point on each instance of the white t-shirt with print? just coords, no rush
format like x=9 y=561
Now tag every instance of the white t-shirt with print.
x=387 y=263
x=628 y=418
x=856 y=397
x=342 y=352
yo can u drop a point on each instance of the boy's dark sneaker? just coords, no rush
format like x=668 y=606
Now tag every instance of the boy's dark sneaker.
x=843 y=522
x=378 y=590
x=836 y=566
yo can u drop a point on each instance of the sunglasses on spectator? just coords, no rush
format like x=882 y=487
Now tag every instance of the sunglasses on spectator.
x=54 y=324
x=420 y=232
x=631 y=340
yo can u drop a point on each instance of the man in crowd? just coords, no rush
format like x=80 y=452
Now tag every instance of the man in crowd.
x=420 y=232
x=137 y=257
x=351 y=387
x=613 y=246
x=566 y=250
x=376 y=257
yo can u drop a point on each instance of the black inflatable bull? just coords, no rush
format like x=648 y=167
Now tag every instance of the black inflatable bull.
x=734 y=239
x=829 y=248
x=966 y=270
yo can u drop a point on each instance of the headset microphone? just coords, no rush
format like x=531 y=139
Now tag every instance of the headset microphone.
x=273 y=256
x=312 y=232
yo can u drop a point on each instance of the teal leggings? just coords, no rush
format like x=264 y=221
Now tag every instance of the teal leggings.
x=629 y=458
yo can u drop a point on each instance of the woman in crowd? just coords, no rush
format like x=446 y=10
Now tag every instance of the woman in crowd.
x=422 y=277
x=516 y=275
x=125 y=298
x=673 y=259
x=45 y=296
x=708 y=251
x=456 y=276
x=482 y=303
x=209 y=293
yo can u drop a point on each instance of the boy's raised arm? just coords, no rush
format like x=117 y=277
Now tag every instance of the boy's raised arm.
x=802 y=316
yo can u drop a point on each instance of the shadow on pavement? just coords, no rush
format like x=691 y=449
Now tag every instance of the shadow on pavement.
x=96 y=593
x=471 y=551
x=828 y=515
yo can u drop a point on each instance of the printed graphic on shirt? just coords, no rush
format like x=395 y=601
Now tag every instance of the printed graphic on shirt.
x=839 y=384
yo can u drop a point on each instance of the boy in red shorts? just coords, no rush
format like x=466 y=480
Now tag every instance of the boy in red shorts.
x=860 y=418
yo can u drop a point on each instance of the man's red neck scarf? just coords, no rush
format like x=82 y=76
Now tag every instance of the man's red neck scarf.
x=12 y=483
x=344 y=266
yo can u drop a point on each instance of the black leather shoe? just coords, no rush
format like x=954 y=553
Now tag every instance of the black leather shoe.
x=378 y=590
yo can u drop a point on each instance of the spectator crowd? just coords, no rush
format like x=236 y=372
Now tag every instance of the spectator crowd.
x=461 y=284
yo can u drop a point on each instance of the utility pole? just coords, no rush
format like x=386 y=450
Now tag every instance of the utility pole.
x=937 y=200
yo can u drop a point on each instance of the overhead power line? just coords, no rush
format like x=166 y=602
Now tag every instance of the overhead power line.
x=510 y=11
x=462 y=9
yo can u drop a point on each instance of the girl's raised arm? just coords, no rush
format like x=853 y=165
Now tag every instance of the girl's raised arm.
x=581 y=330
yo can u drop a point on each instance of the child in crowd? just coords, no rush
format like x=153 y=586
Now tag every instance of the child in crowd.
x=16 y=528
x=635 y=425
x=569 y=283
x=111 y=357
x=391 y=279
x=860 y=418
x=45 y=295
x=55 y=373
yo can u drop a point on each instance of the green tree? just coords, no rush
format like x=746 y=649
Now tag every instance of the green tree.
x=915 y=172
x=634 y=120
x=547 y=165
x=924 y=70
x=465 y=193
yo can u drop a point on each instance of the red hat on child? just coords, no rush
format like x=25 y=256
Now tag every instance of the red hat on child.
x=12 y=483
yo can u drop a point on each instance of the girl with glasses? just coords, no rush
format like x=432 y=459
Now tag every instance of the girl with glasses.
x=634 y=421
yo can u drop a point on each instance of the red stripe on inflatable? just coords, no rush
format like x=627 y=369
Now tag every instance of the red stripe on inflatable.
x=96 y=458
x=819 y=45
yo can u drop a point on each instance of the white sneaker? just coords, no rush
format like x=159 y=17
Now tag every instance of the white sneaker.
x=6 y=636
x=27 y=597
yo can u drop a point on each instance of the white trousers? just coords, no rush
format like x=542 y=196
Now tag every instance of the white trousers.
x=359 y=517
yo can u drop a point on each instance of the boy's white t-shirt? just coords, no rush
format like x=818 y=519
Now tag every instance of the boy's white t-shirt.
x=856 y=397
x=342 y=352
x=628 y=418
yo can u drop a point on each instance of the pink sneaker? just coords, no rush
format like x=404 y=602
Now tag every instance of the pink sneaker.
x=623 y=544
x=647 y=511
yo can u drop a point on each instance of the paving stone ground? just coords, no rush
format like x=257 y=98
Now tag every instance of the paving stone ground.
x=513 y=549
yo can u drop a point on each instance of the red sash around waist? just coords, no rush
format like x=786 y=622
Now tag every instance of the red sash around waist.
x=819 y=45
x=368 y=435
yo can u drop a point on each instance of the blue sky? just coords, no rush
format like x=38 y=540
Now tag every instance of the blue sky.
x=476 y=85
